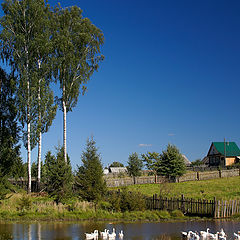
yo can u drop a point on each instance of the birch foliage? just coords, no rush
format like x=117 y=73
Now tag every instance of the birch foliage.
x=77 y=53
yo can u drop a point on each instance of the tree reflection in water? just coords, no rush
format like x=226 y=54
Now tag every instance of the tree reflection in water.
x=6 y=236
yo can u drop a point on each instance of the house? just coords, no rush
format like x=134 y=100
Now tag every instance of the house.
x=117 y=170
x=105 y=171
x=223 y=154
x=186 y=161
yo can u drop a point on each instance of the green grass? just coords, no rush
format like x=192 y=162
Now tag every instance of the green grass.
x=17 y=207
x=44 y=209
x=222 y=189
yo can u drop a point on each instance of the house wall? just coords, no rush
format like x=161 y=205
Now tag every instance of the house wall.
x=230 y=161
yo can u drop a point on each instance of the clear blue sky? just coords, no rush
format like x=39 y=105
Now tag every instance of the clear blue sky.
x=170 y=75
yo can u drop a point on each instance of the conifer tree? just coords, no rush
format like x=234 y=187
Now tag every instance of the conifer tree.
x=77 y=54
x=172 y=163
x=89 y=180
x=134 y=165
x=59 y=177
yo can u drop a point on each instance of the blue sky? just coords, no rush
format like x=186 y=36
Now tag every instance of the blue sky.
x=170 y=75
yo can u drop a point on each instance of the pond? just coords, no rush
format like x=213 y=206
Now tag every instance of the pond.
x=132 y=231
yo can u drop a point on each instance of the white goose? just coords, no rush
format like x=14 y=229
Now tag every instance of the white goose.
x=112 y=236
x=93 y=235
x=121 y=234
x=236 y=236
x=104 y=234
x=204 y=235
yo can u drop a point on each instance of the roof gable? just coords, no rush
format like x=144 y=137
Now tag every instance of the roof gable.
x=231 y=148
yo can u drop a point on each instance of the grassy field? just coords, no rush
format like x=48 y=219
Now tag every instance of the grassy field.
x=222 y=189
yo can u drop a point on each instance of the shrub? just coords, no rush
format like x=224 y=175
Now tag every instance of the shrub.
x=105 y=206
x=131 y=201
x=163 y=214
x=177 y=214
x=24 y=203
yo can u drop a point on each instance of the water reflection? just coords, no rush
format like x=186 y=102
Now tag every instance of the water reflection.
x=132 y=231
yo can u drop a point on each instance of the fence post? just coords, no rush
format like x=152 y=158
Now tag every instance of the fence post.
x=214 y=208
x=220 y=173
x=183 y=203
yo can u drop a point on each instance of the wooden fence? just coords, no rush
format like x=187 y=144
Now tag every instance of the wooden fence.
x=198 y=207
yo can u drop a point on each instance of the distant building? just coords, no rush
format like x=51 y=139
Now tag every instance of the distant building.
x=117 y=170
x=186 y=161
x=223 y=154
x=105 y=171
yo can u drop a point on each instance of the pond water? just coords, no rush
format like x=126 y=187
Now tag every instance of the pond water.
x=132 y=231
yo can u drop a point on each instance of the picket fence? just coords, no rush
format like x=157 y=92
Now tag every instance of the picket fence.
x=198 y=207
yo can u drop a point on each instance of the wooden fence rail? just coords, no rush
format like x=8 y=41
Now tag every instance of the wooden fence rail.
x=200 y=207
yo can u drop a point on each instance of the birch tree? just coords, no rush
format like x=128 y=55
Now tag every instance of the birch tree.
x=21 y=26
x=46 y=108
x=77 y=45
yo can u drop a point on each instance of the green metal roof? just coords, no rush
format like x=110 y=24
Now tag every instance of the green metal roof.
x=232 y=149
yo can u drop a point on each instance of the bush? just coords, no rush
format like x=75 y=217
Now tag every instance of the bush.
x=127 y=201
x=24 y=203
x=114 y=200
x=105 y=206
x=177 y=214
x=163 y=214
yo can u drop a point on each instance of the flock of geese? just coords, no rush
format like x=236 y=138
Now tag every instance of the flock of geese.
x=206 y=235
x=105 y=235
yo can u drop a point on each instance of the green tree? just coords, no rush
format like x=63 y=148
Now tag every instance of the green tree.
x=89 y=177
x=59 y=177
x=46 y=114
x=77 y=54
x=22 y=27
x=172 y=163
x=43 y=62
x=9 y=130
x=116 y=164
x=152 y=161
x=135 y=165
x=197 y=162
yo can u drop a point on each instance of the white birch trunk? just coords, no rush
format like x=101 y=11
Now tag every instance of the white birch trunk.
x=40 y=133
x=29 y=142
x=28 y=127
x=39 y=158
x=65 y=131
x=29 y=159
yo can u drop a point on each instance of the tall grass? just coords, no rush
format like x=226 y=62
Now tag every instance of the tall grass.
x=46 y=209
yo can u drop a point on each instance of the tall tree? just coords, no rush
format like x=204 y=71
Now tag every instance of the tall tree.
x=9 y=130
x=172 y=163
x=77 y=54
x=42 y=61
x=22 y=27
x=152 y=161
x=89 y=177
x=135 y=165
